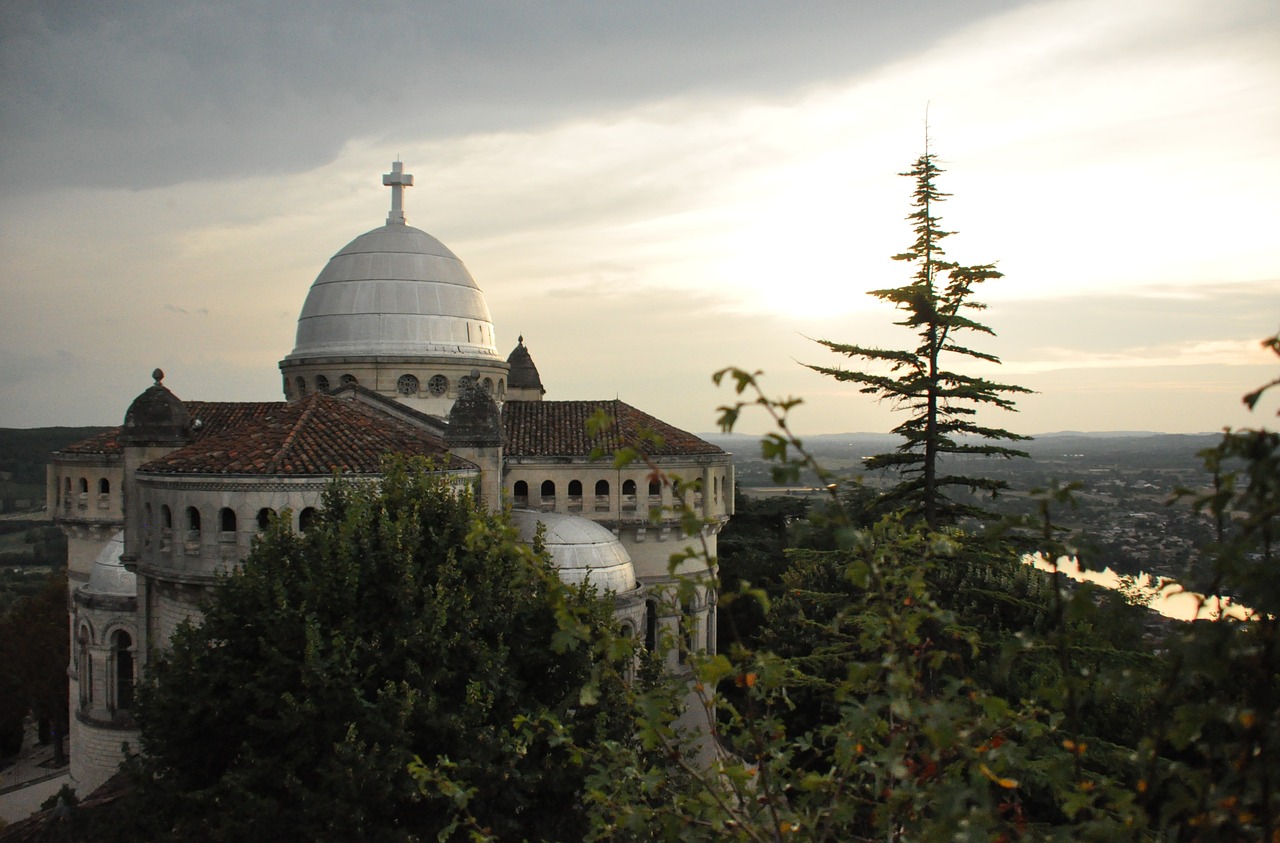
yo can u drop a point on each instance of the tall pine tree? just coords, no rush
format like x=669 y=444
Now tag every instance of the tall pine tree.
x=943 y=403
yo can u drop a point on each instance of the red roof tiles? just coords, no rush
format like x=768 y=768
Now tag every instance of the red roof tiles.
x=318 y=435
x=559 y=428
x=106 y=442
x=322 y=434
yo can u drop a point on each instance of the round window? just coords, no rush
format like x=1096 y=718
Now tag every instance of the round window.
x=437 y=385
x=407 y=385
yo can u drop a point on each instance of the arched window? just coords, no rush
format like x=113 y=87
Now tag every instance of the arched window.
x=84 y=667
x=147 y=523
x=407 y=385
x=655 y=488
x=629 y=495
x=437 y=385
x=520 y=492
x=301 y=383
x=602 y=496
x=104 y=486
x=651 y=625
x=227 y=520
x=122 y=658
x=548 y=495
x=575 y=495
x=348 y=380
x=322 y=383
x=264 y=518
x=66 y=492
x=502 y=387
x=191 y=542
x=84 y=486
x=306 y=518
x=488 y=385
x=166 y=517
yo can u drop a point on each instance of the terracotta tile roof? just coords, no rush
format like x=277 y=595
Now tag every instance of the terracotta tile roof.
x=214 y=416
x=315 y=436
x=559 y=428
x=106 y=442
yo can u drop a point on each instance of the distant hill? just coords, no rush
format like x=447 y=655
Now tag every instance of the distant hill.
x=1130 y=447
x=24 y=452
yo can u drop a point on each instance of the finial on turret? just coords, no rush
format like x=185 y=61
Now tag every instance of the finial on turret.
x=397 y=180
x=158 y=375
x=520 y=339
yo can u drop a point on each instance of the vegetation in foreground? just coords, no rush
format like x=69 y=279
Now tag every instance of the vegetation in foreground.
x=887 y=678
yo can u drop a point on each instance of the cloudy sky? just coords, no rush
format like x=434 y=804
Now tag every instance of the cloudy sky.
x=648 y=191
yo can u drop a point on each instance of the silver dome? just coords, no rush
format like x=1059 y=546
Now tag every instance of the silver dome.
x=395 y=291
x=581 y=549
x=108 y=576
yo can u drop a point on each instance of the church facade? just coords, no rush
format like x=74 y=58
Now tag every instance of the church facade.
x=395 y=353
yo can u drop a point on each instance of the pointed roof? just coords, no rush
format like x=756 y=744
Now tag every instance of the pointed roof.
x=559 y=428
x=523 y=374
x=316 y=436
x=473 y=419
x=157 y=416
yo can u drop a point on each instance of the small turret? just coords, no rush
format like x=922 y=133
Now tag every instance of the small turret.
x=156 y=417
x=475 y=434
x=523 y=382
x=156 y=423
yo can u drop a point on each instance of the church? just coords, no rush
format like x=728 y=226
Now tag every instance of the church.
x=395 y=353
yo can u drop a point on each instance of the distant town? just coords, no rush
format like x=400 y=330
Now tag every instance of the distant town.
x=1125 y=516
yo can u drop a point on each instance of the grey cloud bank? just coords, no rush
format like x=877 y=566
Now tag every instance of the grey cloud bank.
x=648 y=192
x=143 y=95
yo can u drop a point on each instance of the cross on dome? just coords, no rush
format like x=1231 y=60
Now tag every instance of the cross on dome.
x=397 y=180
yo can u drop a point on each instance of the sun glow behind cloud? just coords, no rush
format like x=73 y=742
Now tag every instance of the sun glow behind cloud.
x=793 y=207
x=1092 y=148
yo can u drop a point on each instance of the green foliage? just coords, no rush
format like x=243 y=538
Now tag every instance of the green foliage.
x=25 y=451
x=1213 y=757
x=405 y=627
x=34 y=643
x=910 y=685
x=942 y=402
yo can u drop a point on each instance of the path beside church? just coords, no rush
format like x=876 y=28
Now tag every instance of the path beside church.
x=30 y=779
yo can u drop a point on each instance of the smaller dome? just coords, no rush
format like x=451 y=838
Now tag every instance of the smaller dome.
x=157 y=416
x=582 y=550
x=108 y=575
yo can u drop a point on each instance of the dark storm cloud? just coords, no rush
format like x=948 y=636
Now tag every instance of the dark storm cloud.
x=147 y=94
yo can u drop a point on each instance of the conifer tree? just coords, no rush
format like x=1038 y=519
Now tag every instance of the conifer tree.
x=943 y=402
